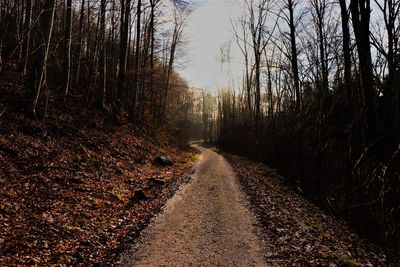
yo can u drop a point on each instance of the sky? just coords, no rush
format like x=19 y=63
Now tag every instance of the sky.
x=208 y=29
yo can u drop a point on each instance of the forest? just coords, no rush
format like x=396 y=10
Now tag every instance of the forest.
x=85 y=86
x=118 y=56
x=319 y=101
x=91 y=93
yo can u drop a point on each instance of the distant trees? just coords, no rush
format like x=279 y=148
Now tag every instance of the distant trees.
x=110 y=54
x=328 y=111
x=179 y=20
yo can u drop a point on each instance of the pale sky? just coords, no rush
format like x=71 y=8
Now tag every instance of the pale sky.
x=209 y=28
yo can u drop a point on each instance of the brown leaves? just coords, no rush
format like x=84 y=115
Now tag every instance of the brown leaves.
x=298 y=233
x=63 y=198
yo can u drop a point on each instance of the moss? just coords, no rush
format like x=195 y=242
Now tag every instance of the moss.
x=317 y=227
x=344 y=260
x=68 y=229
x=187 y=160
x=119 y=193
x=190 y=157
x=82 y=218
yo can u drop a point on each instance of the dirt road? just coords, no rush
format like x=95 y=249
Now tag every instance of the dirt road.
x=207 y=223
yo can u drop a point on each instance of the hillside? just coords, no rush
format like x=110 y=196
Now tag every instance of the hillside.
x=81 y=188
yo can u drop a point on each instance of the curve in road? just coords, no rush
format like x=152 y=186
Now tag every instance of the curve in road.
x=206 y=223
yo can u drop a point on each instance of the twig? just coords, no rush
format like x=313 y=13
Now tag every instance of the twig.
x=85 y=150
x=365 y=152
x=26 y=34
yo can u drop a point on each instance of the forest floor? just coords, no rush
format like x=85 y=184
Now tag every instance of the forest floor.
x=296 y=232
x=243 y=214
x=78 y=191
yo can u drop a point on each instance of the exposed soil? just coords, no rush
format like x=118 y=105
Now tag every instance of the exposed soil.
x=207 y=223
x=296 y=232
x=76 y=191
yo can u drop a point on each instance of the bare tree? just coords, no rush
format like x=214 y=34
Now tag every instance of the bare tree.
x=241 y=35
x=390 y=10
x=125 y=14
x=290 y=6
x=103 y=57
x=68 y=40
x=360 y=10
x=346 y=50
x=179 y=20
x=319 y=8
x=38 y=74
x=26 y=44
x=137 y=55
x=80 y=39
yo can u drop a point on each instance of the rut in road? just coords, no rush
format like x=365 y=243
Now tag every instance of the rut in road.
x=206 y=223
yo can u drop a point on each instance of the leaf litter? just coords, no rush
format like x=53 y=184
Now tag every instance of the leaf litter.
x=65 y=195
x=297 y=232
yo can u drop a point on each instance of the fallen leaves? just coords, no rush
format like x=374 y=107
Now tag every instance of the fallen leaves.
x=297 y=233
x=64 y=197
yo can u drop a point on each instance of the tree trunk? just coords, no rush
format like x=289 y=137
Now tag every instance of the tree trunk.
x=1 y=34
x=103 y=63
x=320 y=7
x=170 y=68
x=39 y=68
x=26 y=43
x=391 y=96
x=82 y=17
x=125 y=12
x=88 y=36
x=295 y=68
x=68 y=40
x=112 y=39
x=360 y=10
x=137 y=55
x=152 y=31
x=346 y=51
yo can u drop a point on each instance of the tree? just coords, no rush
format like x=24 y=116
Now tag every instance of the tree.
x=80 y=39
x=38 y=72
x=153 y=6
x=346 y=50
x=257 y=21
x=241 y=36
x=68 y=40
x=103 y=57
x=360 y=10
x=27 y=39
x=137 y=55
x=124 y=28
x=318 y=12
x=390 y=10
x=180 y=16
x=290 y=5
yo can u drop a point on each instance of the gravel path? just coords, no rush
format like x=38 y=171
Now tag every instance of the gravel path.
x=207 y=223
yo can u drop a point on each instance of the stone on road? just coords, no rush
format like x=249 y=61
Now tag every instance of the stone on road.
x=206 y=223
